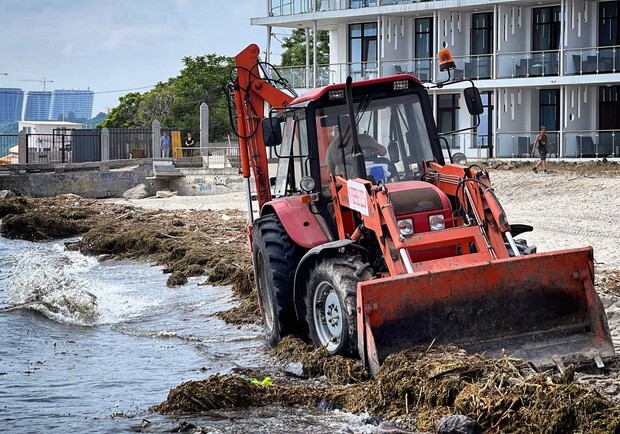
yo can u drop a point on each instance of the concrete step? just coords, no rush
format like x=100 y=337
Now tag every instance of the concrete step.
x=165 y=169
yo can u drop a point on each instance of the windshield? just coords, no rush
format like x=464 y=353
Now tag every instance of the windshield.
x=392 y=134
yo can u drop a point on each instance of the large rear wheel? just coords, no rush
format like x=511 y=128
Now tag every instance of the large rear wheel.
x=331 y=303
x=276 y=257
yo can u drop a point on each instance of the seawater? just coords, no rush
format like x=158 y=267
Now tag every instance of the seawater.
x=89 y=347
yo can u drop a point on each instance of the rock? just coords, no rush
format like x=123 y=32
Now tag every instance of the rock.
x=68 y=196
x=138 y=192
x=5 y=194
x=387 y=427
x=295 y=369
x=458 y=424
x=105 y=257
x=165 y=194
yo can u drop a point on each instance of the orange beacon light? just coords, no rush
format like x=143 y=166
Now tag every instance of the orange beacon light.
x=445 y=60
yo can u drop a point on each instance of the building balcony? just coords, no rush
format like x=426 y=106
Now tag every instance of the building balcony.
x=565 y=144
x=524 y=64
x=528 y=64
x=294 y=7
x=592 y=60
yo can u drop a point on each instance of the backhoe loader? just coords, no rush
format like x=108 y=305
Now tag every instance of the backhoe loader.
x=372 y=237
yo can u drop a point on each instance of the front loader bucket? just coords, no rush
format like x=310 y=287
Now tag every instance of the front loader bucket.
x=540 y=307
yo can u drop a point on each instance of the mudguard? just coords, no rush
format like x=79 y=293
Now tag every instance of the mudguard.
x=305 y=228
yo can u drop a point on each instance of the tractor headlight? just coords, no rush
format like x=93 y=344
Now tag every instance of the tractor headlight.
x=436 y=222
x=306 y=184
x=405 y=227
x=459 y=158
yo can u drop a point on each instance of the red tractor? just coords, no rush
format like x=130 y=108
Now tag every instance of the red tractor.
x=369 y=241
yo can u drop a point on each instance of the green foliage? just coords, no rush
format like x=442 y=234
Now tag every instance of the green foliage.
x=295 y=48
x=125 y=115
x=176 y=103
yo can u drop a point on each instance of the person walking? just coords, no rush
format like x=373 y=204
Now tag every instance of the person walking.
x=165 y=145
x=542 y=143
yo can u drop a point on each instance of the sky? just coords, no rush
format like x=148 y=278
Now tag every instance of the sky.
x=111 y=45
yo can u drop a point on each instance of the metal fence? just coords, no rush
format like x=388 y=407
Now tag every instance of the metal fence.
x=49 y=148
x=211 y=156
x=130 y=143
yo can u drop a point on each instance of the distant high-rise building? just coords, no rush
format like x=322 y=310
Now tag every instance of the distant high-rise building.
x=38 y=105
x=11 y=103
x=69 y=105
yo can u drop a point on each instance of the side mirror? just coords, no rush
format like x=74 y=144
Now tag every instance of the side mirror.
x=393 y=151
x=473 y=100
x=272 y=134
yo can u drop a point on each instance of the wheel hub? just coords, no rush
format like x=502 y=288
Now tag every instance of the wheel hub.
x=328 y=316
x=333 y=315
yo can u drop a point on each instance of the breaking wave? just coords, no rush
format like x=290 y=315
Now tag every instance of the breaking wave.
x=52 y=285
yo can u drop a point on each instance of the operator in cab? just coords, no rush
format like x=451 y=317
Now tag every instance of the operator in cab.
x=335 y=154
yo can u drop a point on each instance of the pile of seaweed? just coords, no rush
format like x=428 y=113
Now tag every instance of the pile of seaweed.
x=186 y=243
x=46 y=219
x=416 y=387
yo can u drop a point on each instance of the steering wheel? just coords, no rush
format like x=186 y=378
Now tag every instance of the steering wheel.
x=370 y=154
x=391 y=167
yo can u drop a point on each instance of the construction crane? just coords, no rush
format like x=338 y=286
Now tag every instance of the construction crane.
x=43 y=80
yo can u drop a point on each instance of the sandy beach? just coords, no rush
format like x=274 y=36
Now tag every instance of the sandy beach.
x=566 y=208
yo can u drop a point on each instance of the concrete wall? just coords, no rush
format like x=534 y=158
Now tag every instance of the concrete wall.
x=112 y=179
x=201 y=182
x=93 y=183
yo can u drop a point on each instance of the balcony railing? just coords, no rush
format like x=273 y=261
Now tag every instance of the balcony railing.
x=421 y=68
x=301 y=77
x=528 y=64
x=293 y=7
x=591 y=144
x=477 y=67
x=573 y=144
x=592 y=60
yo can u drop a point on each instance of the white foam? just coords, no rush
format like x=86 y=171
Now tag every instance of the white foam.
x=50 y=283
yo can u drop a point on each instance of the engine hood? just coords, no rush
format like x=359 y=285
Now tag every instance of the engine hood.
x=412 y=197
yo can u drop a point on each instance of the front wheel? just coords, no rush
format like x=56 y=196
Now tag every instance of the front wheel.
x=276 y=257
x=330 y=301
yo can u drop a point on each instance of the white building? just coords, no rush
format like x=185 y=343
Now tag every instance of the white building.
x=46 y=141
x=551 y=63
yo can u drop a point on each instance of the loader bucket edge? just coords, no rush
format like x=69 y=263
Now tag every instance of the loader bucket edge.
x=541 y=307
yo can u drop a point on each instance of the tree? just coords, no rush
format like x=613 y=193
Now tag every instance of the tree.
x=125 y=115
x=176 y=103
x=202 y=80
x=295 y=48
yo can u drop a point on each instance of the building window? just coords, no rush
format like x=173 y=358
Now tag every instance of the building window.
x=546 y=29
x=423 y=48
x=481 y=33
x=447 y=116
x=609 y=108
x=423 y=38
x=484 y=132
x=549 y=109
x=608 y=31
x=363 y=50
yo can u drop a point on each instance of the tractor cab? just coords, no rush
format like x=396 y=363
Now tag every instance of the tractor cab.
x=395 y=126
